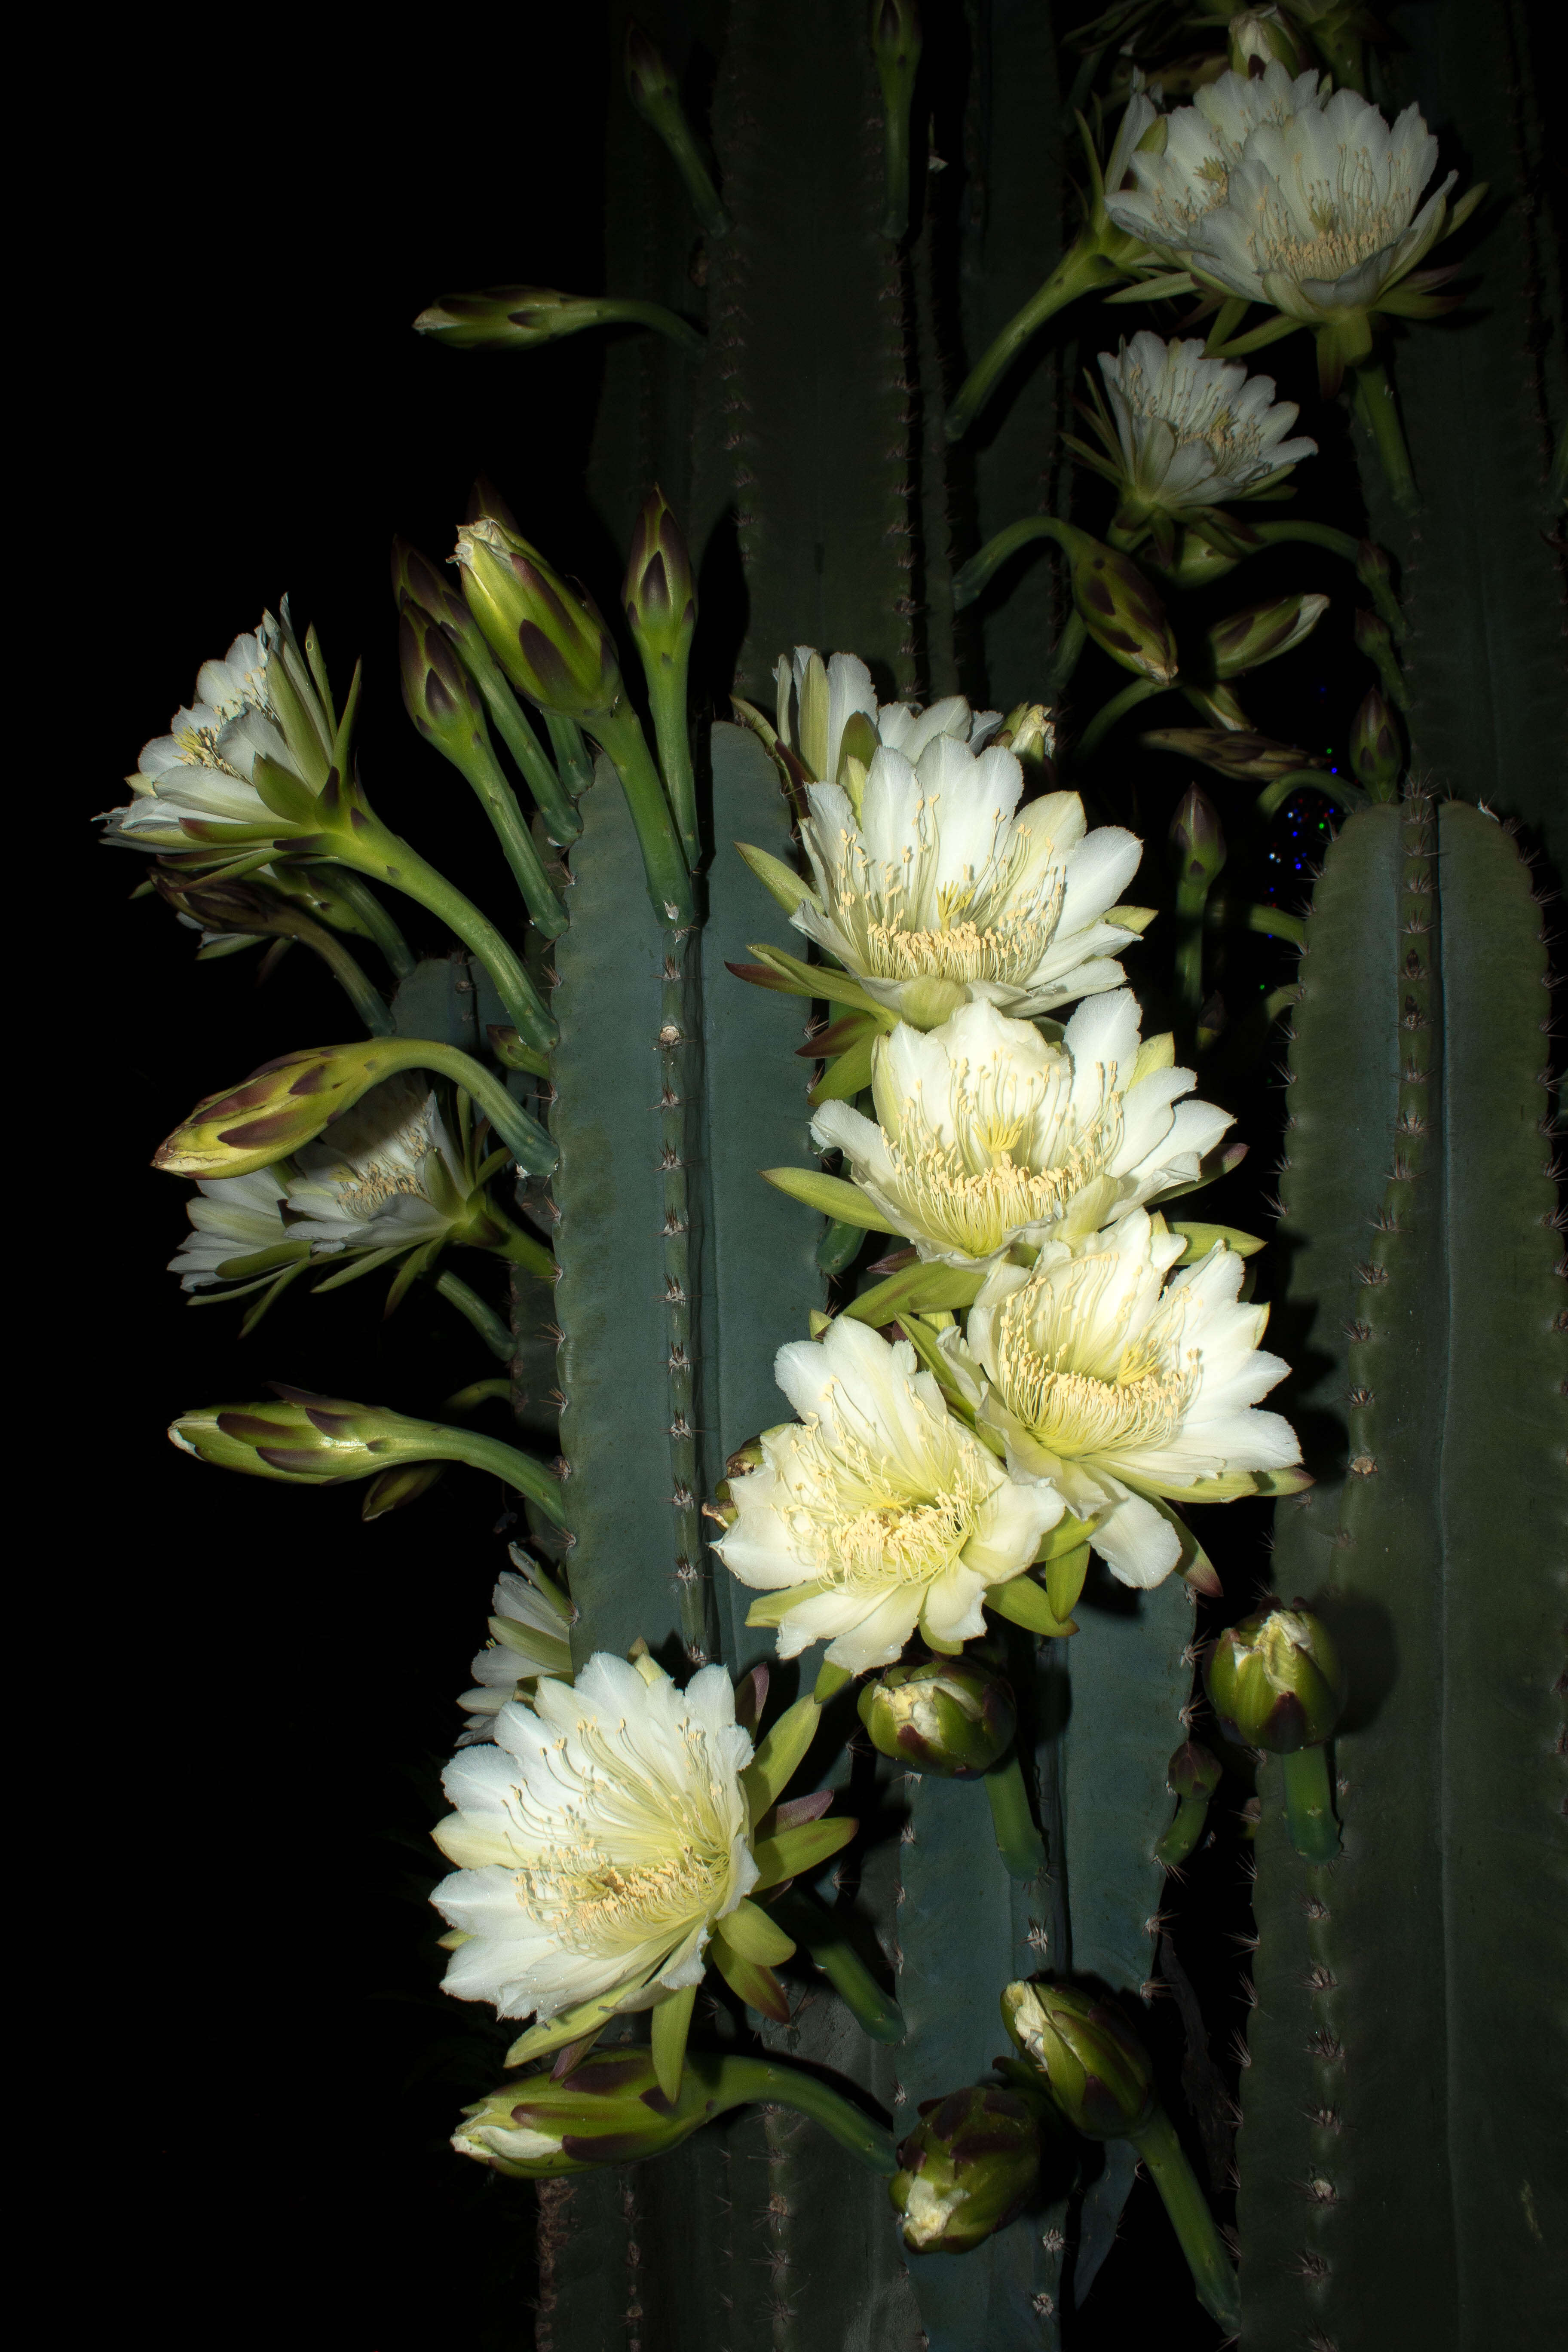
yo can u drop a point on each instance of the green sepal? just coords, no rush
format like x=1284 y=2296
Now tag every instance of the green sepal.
x=671 y=2022
x=1065 y=1580
x=795 y=1851
x=283 y=793
x=839 y=1247
x=356 y=1272
x=914 y=1288
x=772 y=1766
x=775 y=876
x=1194 y=1566
x=263 y=1260
x=845 y=1203
x=275 y=1290
x=748 y=1930
x=1022 y=1603
x=416 y=1262
x=848 y=1075
x=1200 y=1239
x=815 y=980
x=1066 y=1536
x=751 y=1982
x=588 y=2016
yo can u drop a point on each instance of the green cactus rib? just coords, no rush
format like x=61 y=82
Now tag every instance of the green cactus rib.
x=1400 y=2173
x=803 y=419
x=1482 y=573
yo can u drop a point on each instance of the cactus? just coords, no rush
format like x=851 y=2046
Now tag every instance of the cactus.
x=1394 y=2097
x=807 y=450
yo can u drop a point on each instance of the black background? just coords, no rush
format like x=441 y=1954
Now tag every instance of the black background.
x=250 y=2075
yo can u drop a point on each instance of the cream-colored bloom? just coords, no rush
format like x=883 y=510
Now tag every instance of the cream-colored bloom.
x=598 y=1840
x=261 y=701
x=231 y=1217
x=876 y=1511
x=985 y=1135
x=528 y=1639
x=387 y=1175
x=1115 y=1386
x=935 y=890
x=817 y=700
x=1189 y=431
x=1315 y=208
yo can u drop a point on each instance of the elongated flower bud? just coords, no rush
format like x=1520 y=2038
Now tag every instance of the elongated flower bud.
x=303 y=1438
x=1275 y=1682
x=1378 y=754
x=608 y=2110
x=1120 y=609
x=520 y=318
x=1029 y=732
x=940 y=1714
x=1098 y=2071
x=1262 y=632
x=1196 y=839
x=971 y=2165
x=280 y=1109
x=1374 y=639
x=660 y=593
x=437 y=692
x=1230 y=751
x=547 y=636
x=653 y=90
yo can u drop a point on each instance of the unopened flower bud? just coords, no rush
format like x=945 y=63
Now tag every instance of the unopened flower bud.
x=653 y=90
x=437 y=692
x=1275 y=1682
x=1193 y=1770
x=1258 y=36
x=970 y=2165
x=520 y=317
x=940 y=1714
x=302 y=1439
x=608 y=2110
x=1029 y=732
x=1098 y=2071
x=1120 y=609
x=660 y=593
x=1377 y=755
x=1230 y=751
x=1196 y=839
x=280 y=1109
x=1262 y=632
x=547 y=636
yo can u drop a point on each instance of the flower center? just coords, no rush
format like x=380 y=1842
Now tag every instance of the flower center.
x=979 y=926
x=1074 y=1410
x=1357 y=216
x=866 y=1518
x=1019 y=1157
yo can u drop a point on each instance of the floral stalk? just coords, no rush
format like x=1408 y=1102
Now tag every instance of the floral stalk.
x=1374 y=403
x=379 y=924
x=1080 y=271
x=739 y=2080
x=491 y=1329
x=1214 y=2275
x=1018 y=1841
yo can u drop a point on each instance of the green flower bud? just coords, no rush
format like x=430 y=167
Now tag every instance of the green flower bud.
x=303 y=1438
x=940 y=1715
x=968 y=2168
x=608 y=2110
x=281 y=1108
x=1193 y=1770
x=1196 y=839
x=1275 y=1682
x=1262 y=632
x=1098 y=2071
x=660 y=593
x=520 y=317
x=1258 y=36
x=1121 y=611
x=437 y=692
x=653 y=90
x=1230 y=751
x=1374 y=640
x=547 y=637
x=1378 y=754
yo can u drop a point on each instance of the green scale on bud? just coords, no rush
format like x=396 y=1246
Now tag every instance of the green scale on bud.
x=1378 y=754
x=940 y=1715
x=1275 y=1683
x=970 y=2167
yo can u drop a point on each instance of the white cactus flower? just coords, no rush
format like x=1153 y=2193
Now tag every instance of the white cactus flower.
x=1186 y=431
x=231 y=1217
x=1116 y=1387
x=529 y=1638
x=598 y=1840
x=986 y=1136
x=387 y=1175
x=1279 y=193
x=877 y=1512
x=933 y=889
x=261 y=699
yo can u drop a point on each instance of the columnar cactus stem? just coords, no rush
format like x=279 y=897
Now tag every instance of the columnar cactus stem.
x=679 y=1055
